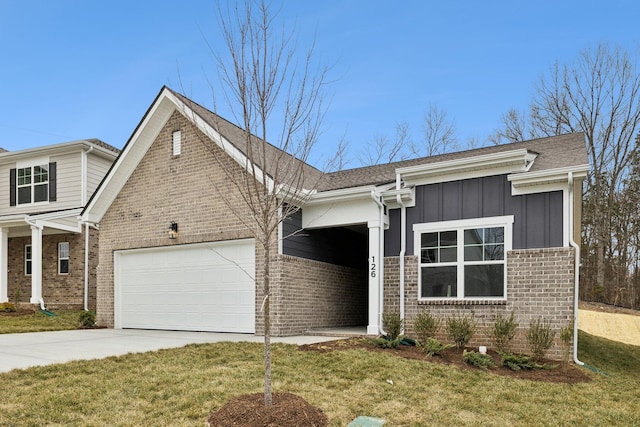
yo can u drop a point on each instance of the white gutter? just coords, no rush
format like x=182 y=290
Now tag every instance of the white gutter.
x=376 y=199
x=576 y=270
x=403 y=245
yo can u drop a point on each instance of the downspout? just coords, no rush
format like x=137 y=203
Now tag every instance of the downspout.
x=576 y=271
x=376 y=199
x=86 y=266
x=403 y=245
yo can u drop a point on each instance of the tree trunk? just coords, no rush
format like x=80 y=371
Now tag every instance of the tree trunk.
x=267 y=327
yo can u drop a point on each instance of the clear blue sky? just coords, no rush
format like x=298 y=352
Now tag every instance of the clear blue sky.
x=75 y=69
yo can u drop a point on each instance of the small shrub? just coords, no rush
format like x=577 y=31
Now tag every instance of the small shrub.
x=7 y=307
x=426 y=325
x=17 y=294
x=504 y=329
x=482 y=361
x=461 y=329
x=386 y=342
x=540 y=338
x=517 y=362
x=433 y=347
x=87 y=319
x=392 y=324
x=566 y=335
x=522 y=362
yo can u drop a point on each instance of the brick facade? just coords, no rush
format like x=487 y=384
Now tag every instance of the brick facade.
x=312 y=294
x=59 y=291
x=540 y=283
x=194 y=190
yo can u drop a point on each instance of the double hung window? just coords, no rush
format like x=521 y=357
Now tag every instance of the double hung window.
x=27 y=260
x=63 y=258
x=33 y=184
x=463 y=259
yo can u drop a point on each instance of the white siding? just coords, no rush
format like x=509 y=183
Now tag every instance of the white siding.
x=97 y=168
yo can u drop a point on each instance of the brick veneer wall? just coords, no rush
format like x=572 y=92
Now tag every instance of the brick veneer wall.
x=190 y=189
x=313 y=294
x=540 y=284
x=59 y=291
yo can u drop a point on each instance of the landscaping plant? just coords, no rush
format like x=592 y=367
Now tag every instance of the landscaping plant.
x=566 y=334
x=522 y=362
x=17 y=293
x=433 y=347
x=461 y=329
x=482 y=361
x=504 y=329
x=540 y=337
x=425 y=326
x=7 y=307
x=392 y=324
x=87 y=319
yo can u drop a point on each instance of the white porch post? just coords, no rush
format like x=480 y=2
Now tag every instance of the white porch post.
x=374 y=278
x=36 y=264
x=4 y=266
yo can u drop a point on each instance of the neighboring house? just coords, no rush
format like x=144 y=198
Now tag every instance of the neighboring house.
x=485 y=231
x=45 y=251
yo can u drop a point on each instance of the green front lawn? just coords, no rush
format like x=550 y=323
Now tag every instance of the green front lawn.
x=39 y=322
x=180 y=387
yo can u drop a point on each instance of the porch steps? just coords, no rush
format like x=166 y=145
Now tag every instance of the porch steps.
x=351 y=331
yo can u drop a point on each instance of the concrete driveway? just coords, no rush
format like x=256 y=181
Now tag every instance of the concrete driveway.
x=20 y=351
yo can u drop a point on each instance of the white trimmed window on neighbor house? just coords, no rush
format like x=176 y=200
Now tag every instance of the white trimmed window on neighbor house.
x=27 y=260
x=63 y=258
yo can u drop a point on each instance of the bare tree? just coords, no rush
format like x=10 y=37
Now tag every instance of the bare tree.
x=598 y=94
x=276 y=95
x=382 y=150
x=514 y=128
x=439 y=133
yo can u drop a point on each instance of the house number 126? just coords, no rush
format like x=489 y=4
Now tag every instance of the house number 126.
x=372 y=272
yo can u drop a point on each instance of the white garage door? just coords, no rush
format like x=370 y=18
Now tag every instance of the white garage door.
x=196 y=287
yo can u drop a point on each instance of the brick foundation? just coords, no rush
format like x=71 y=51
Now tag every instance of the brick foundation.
x=540 y=283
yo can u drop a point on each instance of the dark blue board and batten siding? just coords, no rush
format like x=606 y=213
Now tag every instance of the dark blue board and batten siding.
x=339 y=246
x=537 y=217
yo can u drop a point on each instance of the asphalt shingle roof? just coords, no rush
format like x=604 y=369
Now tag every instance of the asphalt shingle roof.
x=553 y=152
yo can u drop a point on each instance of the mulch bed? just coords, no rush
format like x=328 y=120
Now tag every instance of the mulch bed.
x=288 y=410
x=19 y=312
x=453 y=357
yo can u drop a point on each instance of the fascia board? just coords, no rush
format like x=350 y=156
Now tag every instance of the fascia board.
x=52 y=224
x=224 y=144
x=341 y=195
x=547 y=180
x=52 y=150
x=71 y=213
x=130 y=157
x=509 y=161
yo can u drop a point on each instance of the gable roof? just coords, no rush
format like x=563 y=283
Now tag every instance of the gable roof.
x=550 y=153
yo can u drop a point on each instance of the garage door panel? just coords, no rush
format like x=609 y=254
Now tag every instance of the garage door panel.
x=188 y=287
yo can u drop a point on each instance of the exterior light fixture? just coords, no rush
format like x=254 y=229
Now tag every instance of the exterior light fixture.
x=173 y=230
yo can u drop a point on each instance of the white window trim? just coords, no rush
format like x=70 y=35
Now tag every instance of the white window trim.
x=29 y=259
x=60 y=258
x=497 y=221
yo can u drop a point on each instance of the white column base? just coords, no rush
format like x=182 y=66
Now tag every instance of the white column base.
x=4 y=266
